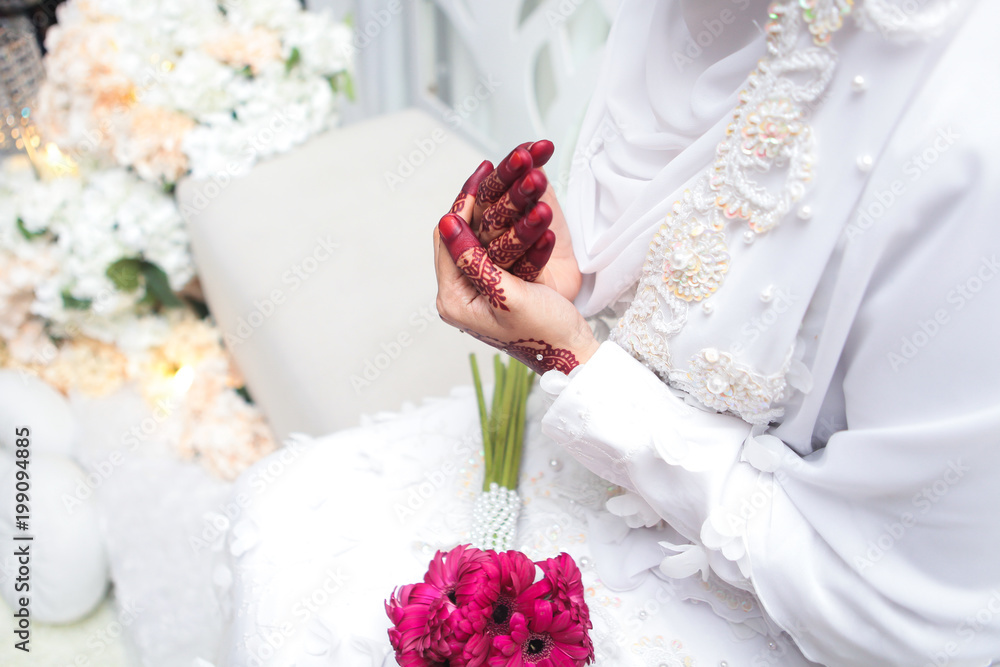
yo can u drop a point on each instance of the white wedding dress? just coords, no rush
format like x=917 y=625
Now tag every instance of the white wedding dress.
x=818 y=474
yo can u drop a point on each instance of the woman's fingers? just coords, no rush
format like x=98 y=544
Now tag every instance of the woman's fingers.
x=540 y=151
x=530 y=266
x=513 y=243
x=465 y=199
x=515 y=204
x=500 y=179
x=471 y=259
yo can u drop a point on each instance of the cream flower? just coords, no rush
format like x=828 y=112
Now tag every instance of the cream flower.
x=153 y=143
x=255 y=49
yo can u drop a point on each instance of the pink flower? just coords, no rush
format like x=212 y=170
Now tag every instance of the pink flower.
x=457 y=573
x=507 y=586
x=566 y=587
x=421 y=633
x=546 y=637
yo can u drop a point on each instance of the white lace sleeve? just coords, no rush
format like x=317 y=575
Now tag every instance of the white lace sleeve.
x=676 y=462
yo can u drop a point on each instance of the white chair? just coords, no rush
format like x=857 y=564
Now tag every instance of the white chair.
x=318 y=267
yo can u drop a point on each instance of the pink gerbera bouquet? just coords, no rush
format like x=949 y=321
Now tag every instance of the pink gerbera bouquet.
x=493 y=607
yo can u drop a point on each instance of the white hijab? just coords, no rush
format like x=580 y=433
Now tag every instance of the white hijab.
x=660 y=108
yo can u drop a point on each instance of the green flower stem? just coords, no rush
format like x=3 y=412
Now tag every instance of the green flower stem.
x=496 y=435
x=481 y=402
x=503 y=426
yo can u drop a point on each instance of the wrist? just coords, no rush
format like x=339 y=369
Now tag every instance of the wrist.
x=588 y=350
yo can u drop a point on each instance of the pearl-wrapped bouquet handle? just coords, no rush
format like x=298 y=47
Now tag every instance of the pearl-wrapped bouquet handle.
x=494 y=518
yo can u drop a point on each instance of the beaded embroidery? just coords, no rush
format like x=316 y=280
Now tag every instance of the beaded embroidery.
x=689 y=258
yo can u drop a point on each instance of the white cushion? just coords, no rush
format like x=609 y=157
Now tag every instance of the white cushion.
x=356 y=330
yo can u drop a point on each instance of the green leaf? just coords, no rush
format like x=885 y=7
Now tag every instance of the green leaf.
x=70 y=302
x=169 y=188
x=245 y=394
x=342 y=82
x=27 y=233
x=293 y=59
x=247 y=71
x=125 y=273
x=158 y=287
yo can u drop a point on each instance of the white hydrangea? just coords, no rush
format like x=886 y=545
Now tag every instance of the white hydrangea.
x=214 y=75
x=84 y=227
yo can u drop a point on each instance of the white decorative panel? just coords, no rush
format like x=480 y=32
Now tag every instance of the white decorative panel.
x=498 y=72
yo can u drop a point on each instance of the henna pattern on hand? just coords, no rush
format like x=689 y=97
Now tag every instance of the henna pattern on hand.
x=471 y=186
x=526 y=270
x=537 y=355
x=476 y=265
x=497 y=218
x=518 y=201
x=491 y=190
x=506 y=249
x=459 y=204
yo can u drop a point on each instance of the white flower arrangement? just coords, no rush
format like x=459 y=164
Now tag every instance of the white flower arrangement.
x=96 y=256
x=169 y=87
x=138 y=94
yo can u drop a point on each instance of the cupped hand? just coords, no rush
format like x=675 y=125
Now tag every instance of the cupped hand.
x=512 y=207
x=531 y=322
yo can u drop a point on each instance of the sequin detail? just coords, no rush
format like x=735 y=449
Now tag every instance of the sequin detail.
x=695 y=254
x=718 y=381
x=689 y=258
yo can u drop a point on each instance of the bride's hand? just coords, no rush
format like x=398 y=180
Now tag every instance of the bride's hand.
x=531 y=322
x=509 y=217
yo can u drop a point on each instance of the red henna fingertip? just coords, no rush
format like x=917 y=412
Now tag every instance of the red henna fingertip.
x=457 y=235
x=540 y=252
x=540 y=215
x=529 y=189
x=478 y=176
x=450 y=227
x=541 y=151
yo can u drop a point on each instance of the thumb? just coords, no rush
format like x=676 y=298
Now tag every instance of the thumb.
x=472 y=260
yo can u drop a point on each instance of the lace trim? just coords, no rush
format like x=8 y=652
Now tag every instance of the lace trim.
x=689 y=257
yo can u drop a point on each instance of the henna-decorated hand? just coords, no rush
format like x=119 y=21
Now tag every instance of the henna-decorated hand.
x=508 y=198
x=519 y=162
x=530 y=321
